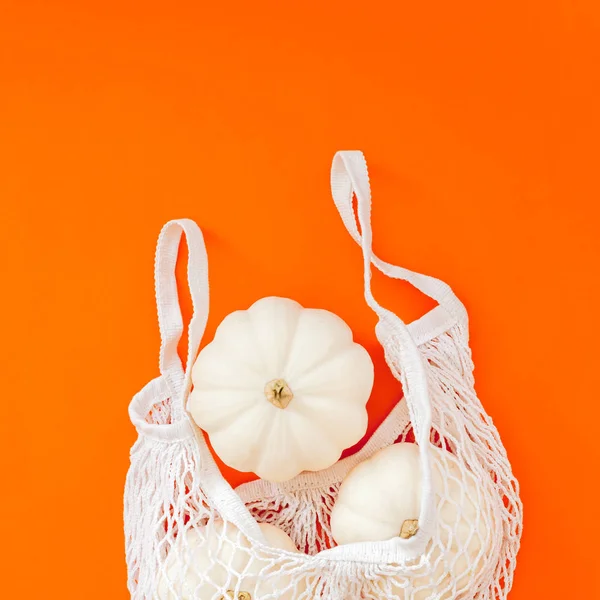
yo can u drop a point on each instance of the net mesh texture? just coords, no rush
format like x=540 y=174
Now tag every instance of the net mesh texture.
x=180 y=545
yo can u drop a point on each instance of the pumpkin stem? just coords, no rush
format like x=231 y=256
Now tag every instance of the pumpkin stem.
x=278 y=393
x=409 y=528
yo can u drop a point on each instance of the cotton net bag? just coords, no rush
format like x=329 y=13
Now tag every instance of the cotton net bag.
x=191 y=536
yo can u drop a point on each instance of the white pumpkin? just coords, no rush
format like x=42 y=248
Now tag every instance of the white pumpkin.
x=281 y=389
x=380 y=499
x=222 y=557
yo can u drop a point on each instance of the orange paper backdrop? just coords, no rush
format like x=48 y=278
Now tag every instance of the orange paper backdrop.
x=480 y=123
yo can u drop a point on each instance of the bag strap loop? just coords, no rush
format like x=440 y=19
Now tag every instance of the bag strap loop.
x=170 y=320
x=178 y=377
x=349 y=177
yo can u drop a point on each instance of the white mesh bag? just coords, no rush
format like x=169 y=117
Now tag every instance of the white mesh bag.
x=191 y=536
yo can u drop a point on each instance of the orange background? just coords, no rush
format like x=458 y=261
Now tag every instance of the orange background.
x=480 y=123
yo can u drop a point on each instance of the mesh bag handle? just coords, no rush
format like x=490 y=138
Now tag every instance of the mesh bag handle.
x=170 y=320
x=349 y=178
x=177 y=376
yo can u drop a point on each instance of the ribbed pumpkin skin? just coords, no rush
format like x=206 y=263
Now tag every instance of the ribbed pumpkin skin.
x=312 y=351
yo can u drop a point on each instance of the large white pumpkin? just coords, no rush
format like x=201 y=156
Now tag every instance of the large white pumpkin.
x=281 y=389
x=221 y=554
x=380 y=499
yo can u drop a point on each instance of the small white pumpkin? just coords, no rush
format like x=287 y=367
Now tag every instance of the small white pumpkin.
x=380 y=499
x=219 y=554
x=281 y=389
